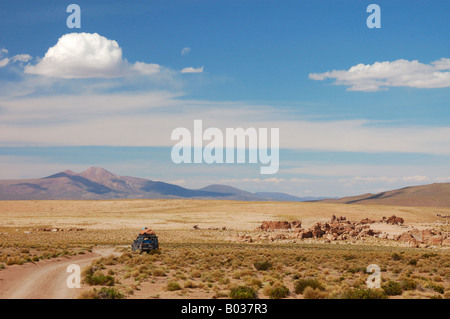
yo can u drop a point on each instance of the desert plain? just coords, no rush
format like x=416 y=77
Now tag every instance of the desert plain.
x=217 y=249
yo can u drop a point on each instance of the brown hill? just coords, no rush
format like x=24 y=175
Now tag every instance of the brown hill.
x=434 y=195
x=98 y=183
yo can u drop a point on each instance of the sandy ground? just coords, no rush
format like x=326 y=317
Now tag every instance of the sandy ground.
x=45 y=279
x=116 y=222
x=183 y=214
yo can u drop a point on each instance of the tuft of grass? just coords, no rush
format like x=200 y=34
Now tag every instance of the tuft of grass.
x=278 y=291
x=429 y=255
x=413 y=262
x=392 y=288
x=158 y=272
x=103 y=293
x=243 y=292
x=311 y=293
x=99 y=280
x=262 y=265
x=409 y=284
x=396 y=256
x=189 y=284
x=301 y=284
x=362 y=293
x=94 y=277
x=173 y=285
x=436 y=287
x=14 y=261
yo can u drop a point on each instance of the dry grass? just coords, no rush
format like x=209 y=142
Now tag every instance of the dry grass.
x=180 y=214
x=193 y=270
x=205 y=263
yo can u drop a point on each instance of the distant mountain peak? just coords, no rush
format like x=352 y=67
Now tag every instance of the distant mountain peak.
x=96 y=170
x=97 y=173
x=99 y=183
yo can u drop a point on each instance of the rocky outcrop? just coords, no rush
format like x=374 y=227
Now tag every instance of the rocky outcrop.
x=274 y=225
x=296 y=224
x=427 y=236
x=393 y=220
x=59 y=229
x=338 y=228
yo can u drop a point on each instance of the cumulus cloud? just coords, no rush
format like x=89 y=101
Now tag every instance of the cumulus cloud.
x=192 y=70
x=382 y=75
x=87 y=55
x=185 y=51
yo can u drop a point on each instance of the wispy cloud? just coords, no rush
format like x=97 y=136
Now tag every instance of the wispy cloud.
x=399 y=73
x=148 y=118
x=21 y=58
x=192 y=70
x=370 y=173
x=3 y=60
x=185 y=51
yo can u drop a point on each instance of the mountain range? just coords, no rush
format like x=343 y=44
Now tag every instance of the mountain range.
x=433 y=195
x=98 y=183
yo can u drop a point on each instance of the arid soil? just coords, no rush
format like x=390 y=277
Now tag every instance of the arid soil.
x=45 y=279
x=208 y=248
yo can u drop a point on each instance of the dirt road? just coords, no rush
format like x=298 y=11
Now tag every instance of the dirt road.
x=45 y=279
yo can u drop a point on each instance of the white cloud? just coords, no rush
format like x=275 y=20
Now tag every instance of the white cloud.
x=87 y=55
x=185 y=51
x=177 y=182
x=369 y=179
x=382 y=75
x=22 y=58
x=145 y=68
x=4 y=61
x=192 y=70
x=147 y=119
x=353 y=174
x=418 y=178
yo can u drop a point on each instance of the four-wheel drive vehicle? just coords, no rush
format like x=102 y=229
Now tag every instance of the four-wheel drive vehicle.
x=145 y=242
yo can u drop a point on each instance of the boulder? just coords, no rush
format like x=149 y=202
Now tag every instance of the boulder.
x=393 y=220
x=305 y=234
x=273 y=225
x=426 y=236
x=296 y=224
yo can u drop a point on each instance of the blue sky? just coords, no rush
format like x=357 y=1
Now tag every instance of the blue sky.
x=359 y=110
